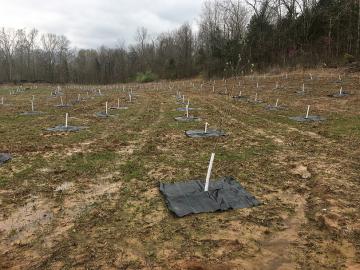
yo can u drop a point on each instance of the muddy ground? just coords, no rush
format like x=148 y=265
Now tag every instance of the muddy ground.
x=90 y=200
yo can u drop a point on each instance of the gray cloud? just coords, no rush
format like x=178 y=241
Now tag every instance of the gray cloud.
x=91 y=23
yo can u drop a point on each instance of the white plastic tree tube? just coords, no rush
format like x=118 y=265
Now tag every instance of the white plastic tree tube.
x=61 y=100
x=277 y=103
x=118 y=103
x=32 y=105
x=207 y=182
x=66 y=119
x=341 y=91
x=307 y=112
x=187 y=111
x=106 y=108
x=206 y=127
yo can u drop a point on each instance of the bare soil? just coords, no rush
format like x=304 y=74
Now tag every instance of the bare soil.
x=90 y=200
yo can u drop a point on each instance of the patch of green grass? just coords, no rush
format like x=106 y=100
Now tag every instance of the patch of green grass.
x=247 y=153
x=3 y=182
x=90 y=163
x=343 y=127
x=132 y=169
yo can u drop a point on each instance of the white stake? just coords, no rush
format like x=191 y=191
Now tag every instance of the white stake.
x=307 y=113
x=206 y=127
x=213 y=89
x=66 y=120
x=106 y=108
x=187 y=111
x=78 y=97
x=32 y=105
x=240 y=93
x=277 y=103
x=341 y=90
x=303 y=87
x=118 y=103
x=130 y=97
x=209 y=172
x=61 y=100
x=256 y=96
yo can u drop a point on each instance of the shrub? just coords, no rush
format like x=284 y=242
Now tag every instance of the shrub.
x=144 y=77
x=349 y=58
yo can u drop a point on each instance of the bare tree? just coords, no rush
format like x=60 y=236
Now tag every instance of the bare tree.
x=9 y=41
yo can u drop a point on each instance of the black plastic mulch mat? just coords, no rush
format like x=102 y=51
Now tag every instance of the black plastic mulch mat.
x=275 y=108
x=310 y=118
x=118 y=108
x=31 y=113
x=4 y=158
x=202 y=134
x=62 y=128
x=64 y=106
x=187 y=119
x=102 y=115
x=185 y=198
x=338 y=95
x=240 y=97
x=184 y=109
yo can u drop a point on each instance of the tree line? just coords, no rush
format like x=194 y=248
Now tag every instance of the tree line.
x=234 y=37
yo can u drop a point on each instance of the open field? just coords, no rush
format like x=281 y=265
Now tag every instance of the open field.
x=90 y=200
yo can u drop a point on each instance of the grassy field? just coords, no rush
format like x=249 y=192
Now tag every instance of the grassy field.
x=90 y=200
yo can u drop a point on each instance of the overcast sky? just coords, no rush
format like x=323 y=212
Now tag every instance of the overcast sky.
x=91 y=23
